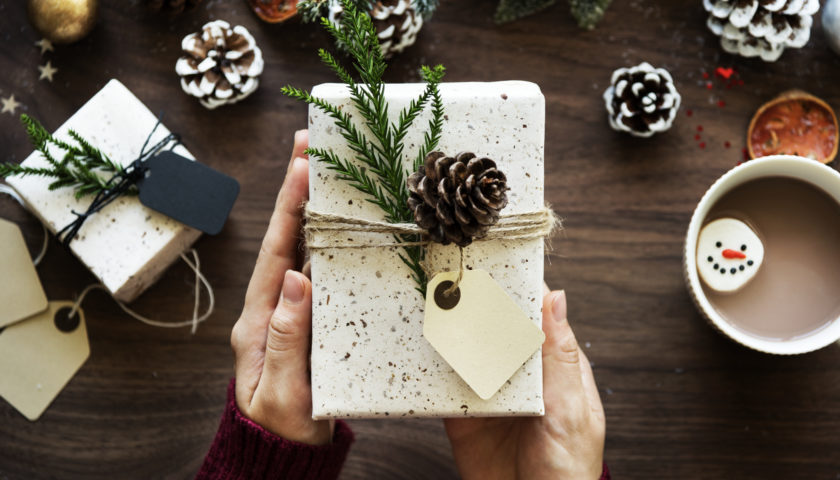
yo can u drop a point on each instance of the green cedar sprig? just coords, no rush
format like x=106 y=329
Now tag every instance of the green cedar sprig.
x=77 y=168
x=378 y=143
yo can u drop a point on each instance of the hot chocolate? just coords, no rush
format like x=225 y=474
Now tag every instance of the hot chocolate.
x=797 y=289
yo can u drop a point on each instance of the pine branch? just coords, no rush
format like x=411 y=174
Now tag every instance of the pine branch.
x=77 y=169
x=588 y=12
x=377 y=144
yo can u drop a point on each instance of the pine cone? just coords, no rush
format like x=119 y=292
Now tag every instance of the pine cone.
x=457 y=199
x=171 y=7
x=641 y=100
x=221 y=65
x=761 y=28
x=397 y=23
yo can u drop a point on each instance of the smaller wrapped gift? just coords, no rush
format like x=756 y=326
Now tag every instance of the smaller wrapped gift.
x=370 y=357
x=126 y=245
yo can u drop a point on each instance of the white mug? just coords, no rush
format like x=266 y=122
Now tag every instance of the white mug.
x=825 y=178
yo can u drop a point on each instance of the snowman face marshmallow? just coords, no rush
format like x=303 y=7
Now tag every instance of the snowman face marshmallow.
x=729 y=254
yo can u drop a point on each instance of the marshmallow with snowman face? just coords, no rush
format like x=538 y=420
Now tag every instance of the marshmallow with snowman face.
x=729 y=254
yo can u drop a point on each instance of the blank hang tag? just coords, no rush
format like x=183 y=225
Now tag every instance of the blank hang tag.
x=188 y=191
x=479 y=330
x=39 y=355
x=21 y=293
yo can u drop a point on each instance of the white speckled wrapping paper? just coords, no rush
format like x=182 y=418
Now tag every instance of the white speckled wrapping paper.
x=126 y=245
x=369 y=357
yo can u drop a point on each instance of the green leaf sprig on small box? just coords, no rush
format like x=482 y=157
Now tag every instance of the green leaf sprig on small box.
x=77 y=168
x=377 y=169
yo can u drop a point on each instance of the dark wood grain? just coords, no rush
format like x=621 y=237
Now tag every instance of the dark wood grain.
x=681 y=400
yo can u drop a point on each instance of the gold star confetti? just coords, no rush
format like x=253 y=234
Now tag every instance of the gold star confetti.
x=47 y=71
x=45 y=45
x=9 y=105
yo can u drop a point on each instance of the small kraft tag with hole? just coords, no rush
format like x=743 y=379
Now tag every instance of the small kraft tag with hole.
x=39 y=355
x=478 y=329
x=21 y=293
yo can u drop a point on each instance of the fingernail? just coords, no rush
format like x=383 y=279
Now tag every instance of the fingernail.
x=298 y=135
x=292 y=292
x=558 y=306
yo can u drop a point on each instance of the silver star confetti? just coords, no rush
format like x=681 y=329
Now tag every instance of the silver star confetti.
x=47 y=71
x=45 y=45
x=9 y=105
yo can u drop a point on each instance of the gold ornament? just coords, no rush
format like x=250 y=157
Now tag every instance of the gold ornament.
x=63 y=21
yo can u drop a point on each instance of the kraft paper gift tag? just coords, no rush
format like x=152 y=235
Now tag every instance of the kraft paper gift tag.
x=21 y=293
x=480 y=332
x=39 y=355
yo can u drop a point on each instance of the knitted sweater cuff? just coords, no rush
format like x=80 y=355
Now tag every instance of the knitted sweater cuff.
x=243 y=449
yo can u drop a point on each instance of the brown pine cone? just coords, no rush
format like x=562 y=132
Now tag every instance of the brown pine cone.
x=221 y=65
x=397 y=23
x=457 y=199
x=171 y=7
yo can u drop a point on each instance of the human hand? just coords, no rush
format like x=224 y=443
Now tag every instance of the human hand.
x=271 y=339
x=566 y=443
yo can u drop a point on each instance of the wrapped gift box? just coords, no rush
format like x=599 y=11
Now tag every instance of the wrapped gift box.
x=126 y=245
x=369 y=357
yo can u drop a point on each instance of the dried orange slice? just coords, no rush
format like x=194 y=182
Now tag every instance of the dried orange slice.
x=794 y=123
x=274 y=11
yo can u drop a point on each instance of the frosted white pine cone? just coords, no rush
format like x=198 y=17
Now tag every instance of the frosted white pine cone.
x=761 y=28
x=397 y=23
x=641 y=100
x=221 y=64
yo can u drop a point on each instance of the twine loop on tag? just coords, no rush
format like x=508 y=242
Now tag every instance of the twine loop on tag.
x=118 y=184
x=14 y=194
x=200 y=279
x=194 y=264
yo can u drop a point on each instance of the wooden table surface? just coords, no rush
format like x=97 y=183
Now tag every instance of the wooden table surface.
x=681 y=400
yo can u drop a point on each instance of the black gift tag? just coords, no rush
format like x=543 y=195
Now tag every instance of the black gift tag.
x=187 y=191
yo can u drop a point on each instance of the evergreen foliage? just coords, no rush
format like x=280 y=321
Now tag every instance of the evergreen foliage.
x=78 y=167
x=377 y=169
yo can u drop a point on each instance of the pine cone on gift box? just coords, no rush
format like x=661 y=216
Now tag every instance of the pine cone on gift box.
x=761 y=28
x=222 y=64
x=171 y=7
x=641 y=100
x=397 y=23
x=457 y=199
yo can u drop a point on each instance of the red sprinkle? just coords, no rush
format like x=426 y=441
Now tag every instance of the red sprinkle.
x=699 y=128
x=705 y=75
x=702 y=145
x=697 y=136
x=727 y=144
x=729 y=253
x=689 y=113
x=709 y=85
x=721 y=103
x=740 y=82
x=746 y=154
x=724 y=72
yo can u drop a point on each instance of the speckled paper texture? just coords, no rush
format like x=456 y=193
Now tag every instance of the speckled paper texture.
x=126 y=245
x=369 y=357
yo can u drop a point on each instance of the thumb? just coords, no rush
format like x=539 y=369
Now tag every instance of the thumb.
x=562 y=383
x=289 y=330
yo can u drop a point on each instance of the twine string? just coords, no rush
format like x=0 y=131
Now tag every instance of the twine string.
x=200 y=279
x=194 y=265
x=519 y=226
x=118 y=184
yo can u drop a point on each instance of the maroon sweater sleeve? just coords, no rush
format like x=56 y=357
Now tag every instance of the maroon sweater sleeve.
x=243 y=450
x=605 y=474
